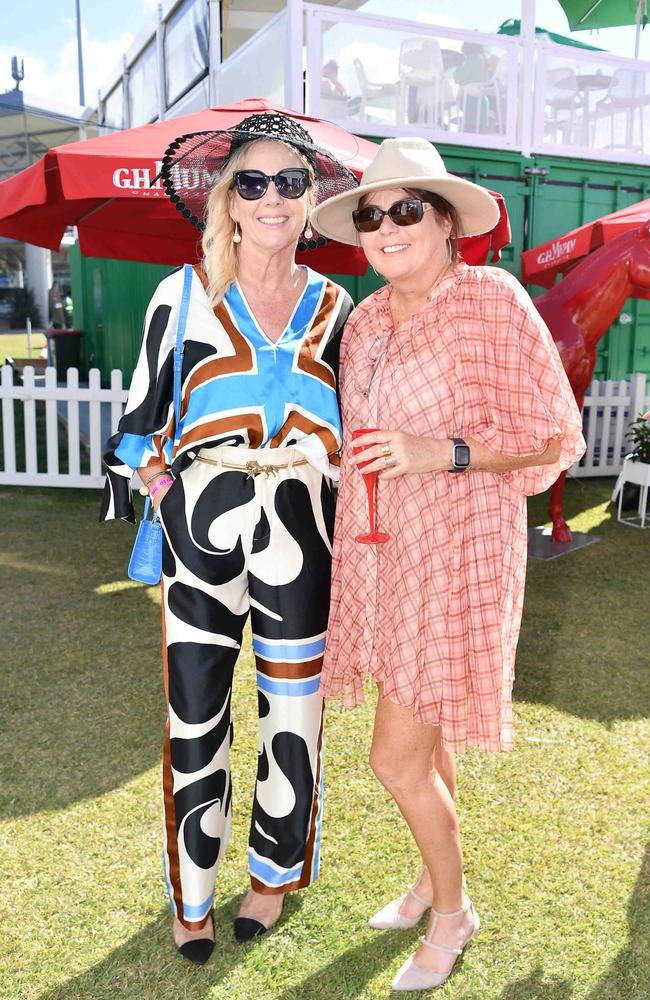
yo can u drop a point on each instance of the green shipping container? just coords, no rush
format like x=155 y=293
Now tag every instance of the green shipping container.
x=546 y=196
x=109 y=301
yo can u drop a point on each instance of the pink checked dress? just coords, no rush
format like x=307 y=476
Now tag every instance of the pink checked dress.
x=434 y=614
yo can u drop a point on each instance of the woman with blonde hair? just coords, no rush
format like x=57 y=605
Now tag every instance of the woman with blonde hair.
x=242 y=485
x=456 y=370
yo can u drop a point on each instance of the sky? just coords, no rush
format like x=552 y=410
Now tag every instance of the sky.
x=43 y=33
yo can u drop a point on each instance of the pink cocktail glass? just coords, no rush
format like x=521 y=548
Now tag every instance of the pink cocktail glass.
x=372 y=537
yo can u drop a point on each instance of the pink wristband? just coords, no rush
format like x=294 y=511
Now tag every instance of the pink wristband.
x=159 y=484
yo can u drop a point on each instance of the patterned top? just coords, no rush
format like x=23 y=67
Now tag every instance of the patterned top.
x=239 y=388
x=434 y=613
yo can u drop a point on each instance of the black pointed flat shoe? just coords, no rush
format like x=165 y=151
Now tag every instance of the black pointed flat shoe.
x=246 y=928
x=197 y=951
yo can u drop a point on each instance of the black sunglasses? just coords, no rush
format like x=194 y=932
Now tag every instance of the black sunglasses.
x=403 y=213
x=289 y=183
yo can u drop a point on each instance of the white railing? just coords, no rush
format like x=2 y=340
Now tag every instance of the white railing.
x=387 y=76
x=258 y=68
x=393 y=74
x=63 y=443
x=609 y=409
x=64 y=427
x=591 y=104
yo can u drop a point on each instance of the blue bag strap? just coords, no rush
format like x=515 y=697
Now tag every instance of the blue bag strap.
x=178 y=350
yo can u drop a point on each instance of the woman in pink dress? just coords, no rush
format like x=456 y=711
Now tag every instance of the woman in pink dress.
x=456 y=368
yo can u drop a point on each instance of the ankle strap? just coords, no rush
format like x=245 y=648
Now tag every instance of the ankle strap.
x=453 y=913
x=441 y=947
x=416 y=895
x=437 y=914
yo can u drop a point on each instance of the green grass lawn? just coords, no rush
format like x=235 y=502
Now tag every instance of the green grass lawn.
x=556 y=834
x=14 y=344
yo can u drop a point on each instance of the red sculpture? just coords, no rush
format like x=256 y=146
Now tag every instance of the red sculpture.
x=580 y=309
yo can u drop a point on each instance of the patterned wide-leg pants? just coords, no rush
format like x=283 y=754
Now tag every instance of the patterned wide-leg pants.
x=234 y=543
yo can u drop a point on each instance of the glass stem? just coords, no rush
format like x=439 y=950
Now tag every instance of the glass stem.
x=371 y=479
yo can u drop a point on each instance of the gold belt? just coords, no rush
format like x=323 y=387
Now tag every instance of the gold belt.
x=252 y=468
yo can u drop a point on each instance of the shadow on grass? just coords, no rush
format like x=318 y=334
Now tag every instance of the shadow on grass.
x=537 y=986
x=80 y=680
x=586 y=631
x=348 y=975
x=147 y=966
x=629 y=974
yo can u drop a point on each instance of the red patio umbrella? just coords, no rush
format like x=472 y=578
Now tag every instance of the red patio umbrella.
x=542 y=264
x=103 y=186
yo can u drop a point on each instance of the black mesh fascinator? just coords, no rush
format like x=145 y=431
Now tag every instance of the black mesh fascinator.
x=192 y=164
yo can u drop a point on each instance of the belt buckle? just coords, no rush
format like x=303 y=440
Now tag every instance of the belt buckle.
x=253 y=468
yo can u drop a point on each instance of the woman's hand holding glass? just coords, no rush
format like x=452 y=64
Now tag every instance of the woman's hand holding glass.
x=396 y=453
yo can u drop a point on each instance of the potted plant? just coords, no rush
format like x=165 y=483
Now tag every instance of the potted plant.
x=636 y=465
x=639 y=434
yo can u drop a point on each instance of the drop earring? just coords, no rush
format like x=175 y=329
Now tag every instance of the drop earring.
x=449 y=250
x=306 y=240
x=236 y=236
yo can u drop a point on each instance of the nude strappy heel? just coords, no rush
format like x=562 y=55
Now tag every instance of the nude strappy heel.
x=413 y=977
x=391 y=919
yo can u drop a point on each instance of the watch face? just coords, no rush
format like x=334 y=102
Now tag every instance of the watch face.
x=461 y=456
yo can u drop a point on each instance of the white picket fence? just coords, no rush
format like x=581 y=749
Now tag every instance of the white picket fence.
x=609 y=408
x=78 y=419
x=88 y=415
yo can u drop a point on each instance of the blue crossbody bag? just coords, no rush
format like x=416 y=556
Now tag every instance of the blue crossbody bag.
x=145 y=564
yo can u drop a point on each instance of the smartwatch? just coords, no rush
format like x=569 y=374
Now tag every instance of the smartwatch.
x=459 y=456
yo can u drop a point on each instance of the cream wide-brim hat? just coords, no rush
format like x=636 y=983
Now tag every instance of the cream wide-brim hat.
x=408 y=162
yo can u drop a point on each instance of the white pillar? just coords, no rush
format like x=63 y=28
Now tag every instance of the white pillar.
x=214 y=50
x=527 y=78
x=293 y=63
x=160 y=63
x=38 y=277
x=637 y=395
x=126 y=106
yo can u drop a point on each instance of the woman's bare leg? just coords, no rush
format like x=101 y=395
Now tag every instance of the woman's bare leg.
x=444 y=762
x=401 y=757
